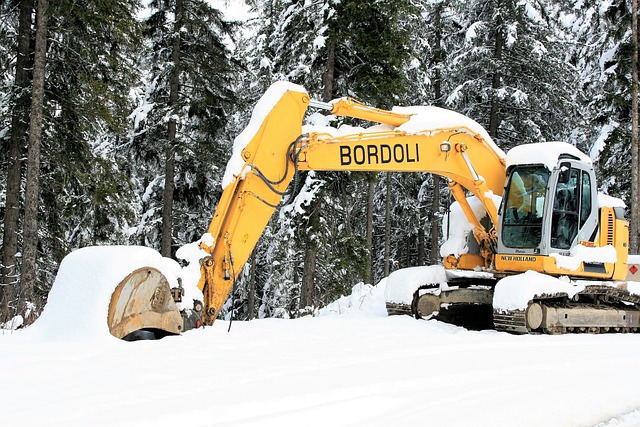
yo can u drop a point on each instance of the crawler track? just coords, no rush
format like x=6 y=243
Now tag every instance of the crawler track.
x=596 y=309
x=398 y=309
x=467 y=303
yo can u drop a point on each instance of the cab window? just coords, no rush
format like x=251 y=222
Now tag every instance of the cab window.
x=524 y=207
x=564 y=223
x=585 y=205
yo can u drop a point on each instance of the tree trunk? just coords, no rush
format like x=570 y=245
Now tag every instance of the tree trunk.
x=422 y=215
x=330 y=71
x=307 y=291
x=438 y=56
x=387 y=227
x=17 y=142
x=251 y=297
x=434 y=254
x=307 y=294
x=167 y=207
x=170 y=159
x=407 y=255
x=435 y=222
x=368 y=272
x=32 y=192
x=634 y=230
x=495 y=84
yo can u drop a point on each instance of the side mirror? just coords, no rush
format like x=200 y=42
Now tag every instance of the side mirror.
x=565 y=172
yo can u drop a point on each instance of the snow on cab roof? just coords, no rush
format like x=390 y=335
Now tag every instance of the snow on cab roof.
x=545 y=153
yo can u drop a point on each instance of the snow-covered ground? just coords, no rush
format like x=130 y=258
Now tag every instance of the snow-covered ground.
x=356 y=368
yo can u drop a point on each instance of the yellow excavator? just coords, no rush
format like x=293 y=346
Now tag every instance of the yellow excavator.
x=549 y=207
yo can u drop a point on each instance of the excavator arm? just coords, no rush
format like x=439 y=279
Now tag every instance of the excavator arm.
x=277 y=149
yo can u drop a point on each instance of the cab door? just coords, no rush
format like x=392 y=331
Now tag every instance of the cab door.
x=574 y=215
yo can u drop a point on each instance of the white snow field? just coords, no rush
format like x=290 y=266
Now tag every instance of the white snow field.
x=350 y=366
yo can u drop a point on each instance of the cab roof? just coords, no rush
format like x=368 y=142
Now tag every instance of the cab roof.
x=545 y=153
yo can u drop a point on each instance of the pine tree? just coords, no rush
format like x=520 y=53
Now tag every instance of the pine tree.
x=435 y=29
x=511 y=72
x=289 y=45
x=90 y=73
x=350 y=48
x=86 y=84
x=604 y=54
x=199 y=110
x=17 y=101
x=32 y=190
x=634 y=229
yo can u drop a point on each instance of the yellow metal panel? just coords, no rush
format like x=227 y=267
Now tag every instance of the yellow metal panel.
x=352 y=108
x=546 y=264
x=464 y=262
x=519 y=263
x=396 y=151
x=615 y=232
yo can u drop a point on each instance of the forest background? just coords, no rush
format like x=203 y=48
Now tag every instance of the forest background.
x=117 y=119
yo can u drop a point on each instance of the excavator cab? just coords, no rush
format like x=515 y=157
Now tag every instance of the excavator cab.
x=548 y=211
x=549 y=208
x=552 y=221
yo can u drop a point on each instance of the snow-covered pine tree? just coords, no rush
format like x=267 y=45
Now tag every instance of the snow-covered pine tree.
x=416 y=218
x=511 y=74
x=603 y=54
x=371 y=46
x=91 y=71
x=16 y=58
x=205 y=101
x=299 y=41
x=286 y=44
x=86 y=84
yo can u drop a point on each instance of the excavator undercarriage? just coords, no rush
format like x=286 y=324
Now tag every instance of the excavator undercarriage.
x=469 y=304
x=464 y=302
